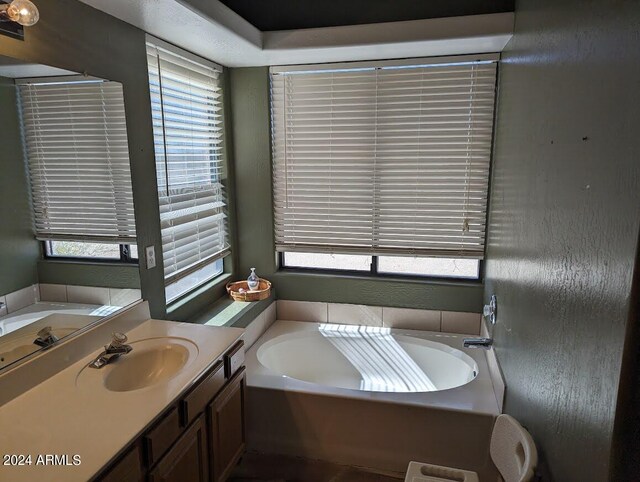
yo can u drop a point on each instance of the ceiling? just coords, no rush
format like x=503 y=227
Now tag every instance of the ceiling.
x=18 y=69
x=270 y=15
x=212 y=30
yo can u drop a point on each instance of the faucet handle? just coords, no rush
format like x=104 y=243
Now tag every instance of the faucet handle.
x=44 y=332
x=118 y=338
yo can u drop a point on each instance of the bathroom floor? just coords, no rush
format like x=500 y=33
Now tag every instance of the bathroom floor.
x=256 y=467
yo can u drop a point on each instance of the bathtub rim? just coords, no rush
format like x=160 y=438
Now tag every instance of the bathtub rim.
x=477 y=396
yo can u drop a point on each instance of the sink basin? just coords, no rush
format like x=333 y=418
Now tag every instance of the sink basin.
x=152 y=361
x=140 y=369
x=19 y=344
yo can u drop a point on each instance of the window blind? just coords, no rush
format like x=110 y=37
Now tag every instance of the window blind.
x=76 y=143
x=187 y=126
x=383 y=157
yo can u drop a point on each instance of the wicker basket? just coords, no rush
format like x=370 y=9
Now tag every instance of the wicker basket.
x=262 y=293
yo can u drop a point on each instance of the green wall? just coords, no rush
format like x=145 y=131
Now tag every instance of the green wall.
x=20 y=251
x=254 y=215
x=564 y=219
x=89 y=274
x=76 y=37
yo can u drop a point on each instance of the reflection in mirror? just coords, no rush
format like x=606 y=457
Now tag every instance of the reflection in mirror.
x=68 y=253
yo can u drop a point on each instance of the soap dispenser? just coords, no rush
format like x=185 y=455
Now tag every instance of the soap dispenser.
x=253 y=281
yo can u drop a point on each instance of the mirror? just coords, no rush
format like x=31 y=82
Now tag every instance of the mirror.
x=68 y=255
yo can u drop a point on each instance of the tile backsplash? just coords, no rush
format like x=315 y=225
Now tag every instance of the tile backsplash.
x=402 y=318
x=354 y=314
x=302 y=311
x=22 y=298
x=88 y=294
x=49 y=292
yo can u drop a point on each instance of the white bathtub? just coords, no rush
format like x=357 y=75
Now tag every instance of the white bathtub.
x=367 y=358
x=304 y=357
x=18 y=329
x=372 y=397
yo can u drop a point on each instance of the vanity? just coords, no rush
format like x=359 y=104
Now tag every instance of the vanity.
x=171 y=409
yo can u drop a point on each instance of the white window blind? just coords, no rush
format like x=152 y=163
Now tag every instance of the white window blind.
x=383 y=157
x=186 y=103
x=76 y=142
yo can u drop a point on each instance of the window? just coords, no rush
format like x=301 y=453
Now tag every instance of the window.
x=186 y=101
x=385 y=164
x=76 y=143
x=385 y=265
x=95 y=251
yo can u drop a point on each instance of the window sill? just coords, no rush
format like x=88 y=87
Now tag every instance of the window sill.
x=227 y=312
x=182 y=303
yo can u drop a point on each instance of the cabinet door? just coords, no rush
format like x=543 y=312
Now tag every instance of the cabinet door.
x=187 y=460
x=227 y=435
x=127 y=469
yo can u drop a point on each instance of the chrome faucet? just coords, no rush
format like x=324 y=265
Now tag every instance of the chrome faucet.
x=112 y=351
x=45 y=338
x=480 y=342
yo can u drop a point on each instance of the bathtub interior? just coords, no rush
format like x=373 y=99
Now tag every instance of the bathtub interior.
x=367 y=358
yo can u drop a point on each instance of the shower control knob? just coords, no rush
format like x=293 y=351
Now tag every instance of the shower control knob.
x=490 y=311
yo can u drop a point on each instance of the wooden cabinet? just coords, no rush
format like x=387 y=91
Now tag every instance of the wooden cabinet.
x=195 y=402
x=127 y=469
x=199 y=438
x=226 y=427
x=187 y=459
x=162 y=436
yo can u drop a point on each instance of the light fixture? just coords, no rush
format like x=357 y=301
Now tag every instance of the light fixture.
x=15 y=15
x=20 y=11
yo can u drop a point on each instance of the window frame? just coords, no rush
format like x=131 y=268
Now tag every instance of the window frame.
x=125 y=256
x=373 y=272
x=44 y=237
x=224 y=181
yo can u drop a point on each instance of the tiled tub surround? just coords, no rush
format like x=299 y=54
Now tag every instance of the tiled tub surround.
x=22 y=298
x=403 y=318
x=25 y=317
x=62 y=416
x=379 y=430
x=12 y=302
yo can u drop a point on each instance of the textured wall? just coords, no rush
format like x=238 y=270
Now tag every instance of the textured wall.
x=564 y=219
x=19 y=251
x=254 y=218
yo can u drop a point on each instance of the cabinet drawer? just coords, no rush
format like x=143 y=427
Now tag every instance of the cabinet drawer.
x=162 y=436
x=234 y=359
x=196 y=401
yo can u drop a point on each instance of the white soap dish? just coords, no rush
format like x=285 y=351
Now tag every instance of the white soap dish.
x=419 y=472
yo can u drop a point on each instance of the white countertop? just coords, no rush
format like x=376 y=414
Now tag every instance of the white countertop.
x=64 y=417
